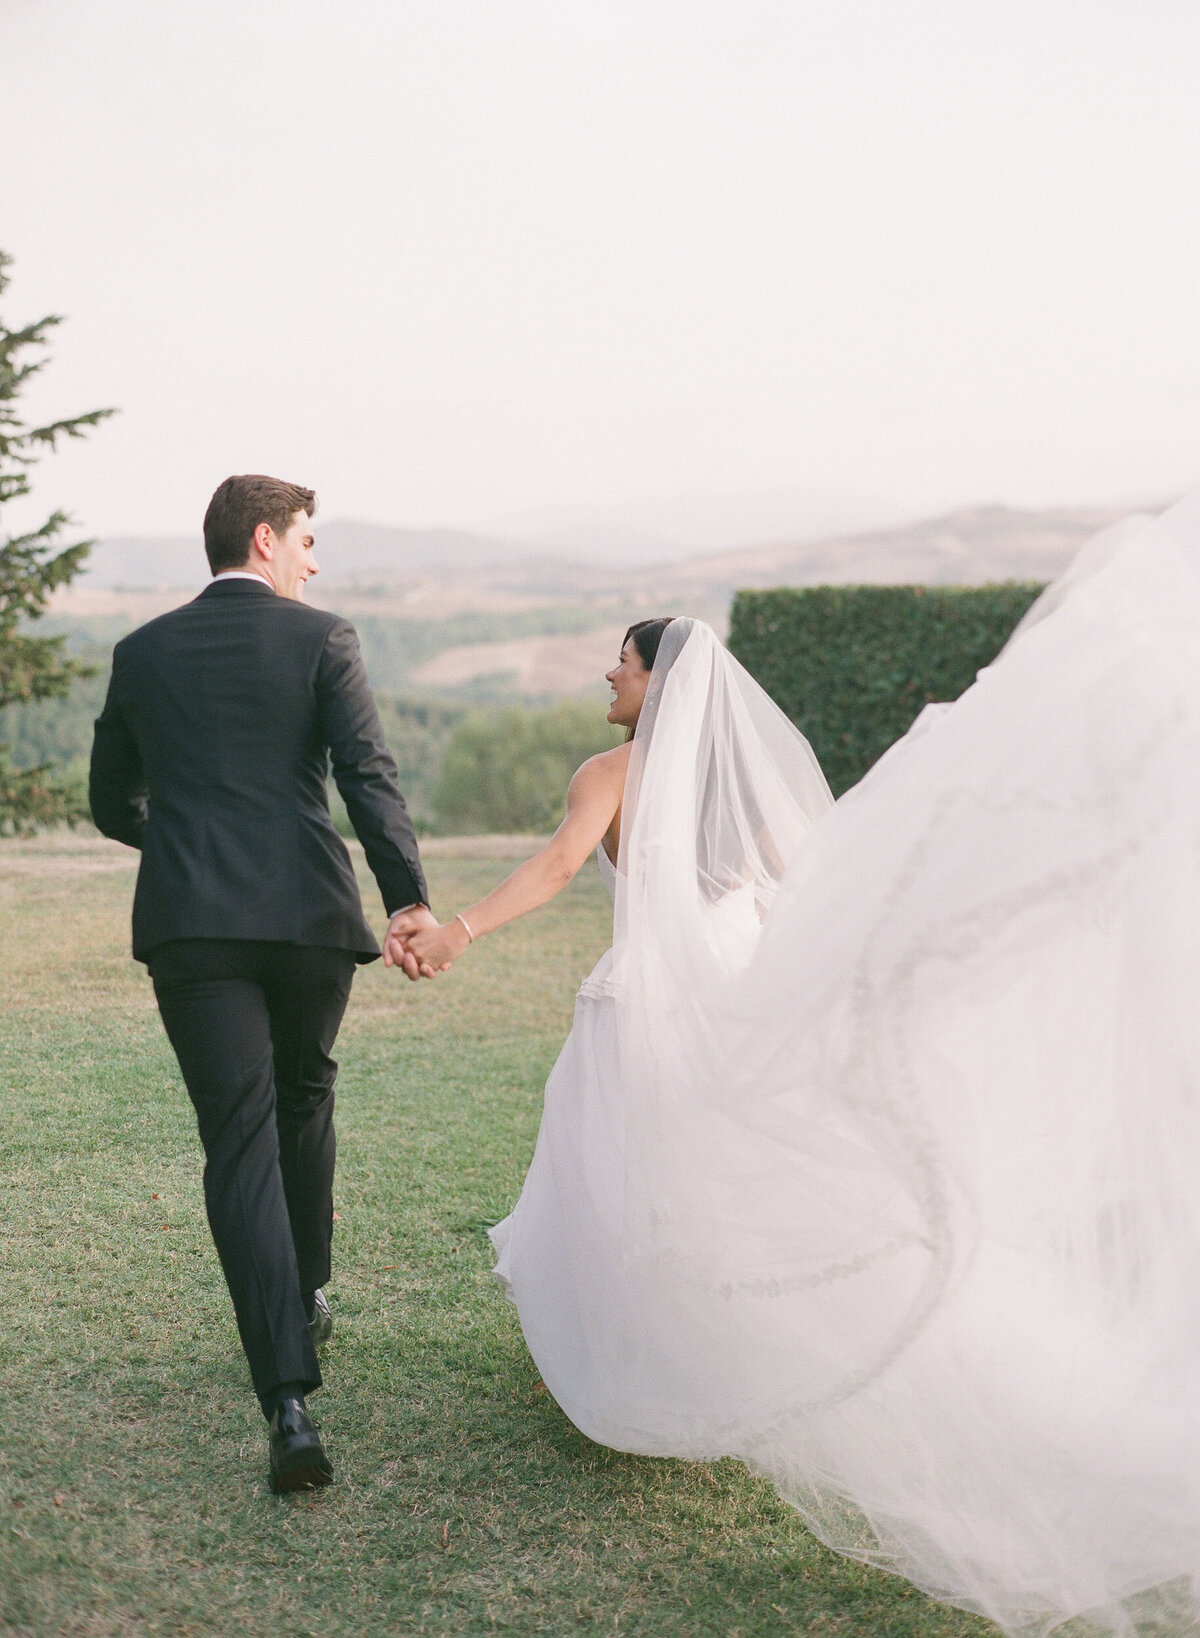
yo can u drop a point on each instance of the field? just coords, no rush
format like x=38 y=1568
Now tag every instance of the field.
x=133 y=1495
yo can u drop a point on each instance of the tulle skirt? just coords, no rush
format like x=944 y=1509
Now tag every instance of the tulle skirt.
x=905 y=1211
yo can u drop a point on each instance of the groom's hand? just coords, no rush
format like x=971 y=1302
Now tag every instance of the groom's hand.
x=395 y=941
x=437 y=948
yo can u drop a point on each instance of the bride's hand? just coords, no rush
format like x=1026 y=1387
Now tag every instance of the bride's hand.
x=434 y=948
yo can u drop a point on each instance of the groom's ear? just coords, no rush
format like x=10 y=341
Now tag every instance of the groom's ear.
x=263 y=541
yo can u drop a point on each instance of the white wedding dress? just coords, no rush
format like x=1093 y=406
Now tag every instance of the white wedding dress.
x=873 y=1156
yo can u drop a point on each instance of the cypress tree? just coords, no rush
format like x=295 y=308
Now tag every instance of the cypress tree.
x=32 y=566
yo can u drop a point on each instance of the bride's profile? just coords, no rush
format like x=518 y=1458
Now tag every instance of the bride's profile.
x=872 y=1155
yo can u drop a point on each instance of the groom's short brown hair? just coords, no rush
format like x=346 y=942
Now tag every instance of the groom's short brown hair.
x=237 y=508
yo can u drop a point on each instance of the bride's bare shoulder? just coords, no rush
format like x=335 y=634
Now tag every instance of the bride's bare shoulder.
x=605 y=769
x=609 y=764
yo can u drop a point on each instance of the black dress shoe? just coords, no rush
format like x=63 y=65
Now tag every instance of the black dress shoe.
x=298 y=1459
x=320 y=1321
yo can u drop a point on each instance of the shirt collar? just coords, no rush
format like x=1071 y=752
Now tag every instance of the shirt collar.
x=243 y=574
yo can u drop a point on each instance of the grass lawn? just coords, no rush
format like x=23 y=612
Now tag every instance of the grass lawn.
x=133 y=1494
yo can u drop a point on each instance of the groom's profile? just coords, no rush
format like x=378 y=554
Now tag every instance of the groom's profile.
x=222 y=720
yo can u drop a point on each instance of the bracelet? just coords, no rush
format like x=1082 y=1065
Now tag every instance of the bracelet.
x=466 y=925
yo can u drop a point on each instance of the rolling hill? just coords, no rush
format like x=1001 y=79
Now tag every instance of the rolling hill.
x=491 y=612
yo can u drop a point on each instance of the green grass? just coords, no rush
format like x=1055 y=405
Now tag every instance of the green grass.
x=132 y=1453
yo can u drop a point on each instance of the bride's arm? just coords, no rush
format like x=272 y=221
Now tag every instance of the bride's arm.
x=593 y=798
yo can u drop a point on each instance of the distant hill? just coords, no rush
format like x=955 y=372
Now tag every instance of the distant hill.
x=967 y=547
x=970 y=546
x=448 y=611
x=349 y=551
x=353 y=551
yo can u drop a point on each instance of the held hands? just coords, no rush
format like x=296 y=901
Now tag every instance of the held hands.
x=416 y=942
x=402 y=925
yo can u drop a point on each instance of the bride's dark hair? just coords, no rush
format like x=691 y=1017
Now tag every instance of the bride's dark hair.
x=647 y=634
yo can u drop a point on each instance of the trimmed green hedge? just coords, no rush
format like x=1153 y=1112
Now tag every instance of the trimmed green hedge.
x=854 y=665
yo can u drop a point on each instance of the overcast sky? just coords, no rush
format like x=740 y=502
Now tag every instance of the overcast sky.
x=455 y=262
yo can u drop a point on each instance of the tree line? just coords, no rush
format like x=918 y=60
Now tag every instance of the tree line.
x=464 y=769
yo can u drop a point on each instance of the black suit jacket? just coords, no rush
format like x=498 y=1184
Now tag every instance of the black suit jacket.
x=211 y=755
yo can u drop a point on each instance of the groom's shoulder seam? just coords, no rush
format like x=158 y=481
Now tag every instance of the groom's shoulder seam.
x=329 y=625
x=292 y=609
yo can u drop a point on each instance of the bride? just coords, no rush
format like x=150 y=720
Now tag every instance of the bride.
x=873 y=1155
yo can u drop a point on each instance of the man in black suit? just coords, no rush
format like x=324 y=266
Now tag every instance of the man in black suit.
x=210 y=755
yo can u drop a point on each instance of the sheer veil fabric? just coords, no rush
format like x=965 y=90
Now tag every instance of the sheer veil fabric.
x=873 y=1157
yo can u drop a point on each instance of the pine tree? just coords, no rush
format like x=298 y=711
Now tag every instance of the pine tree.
x=32 y=566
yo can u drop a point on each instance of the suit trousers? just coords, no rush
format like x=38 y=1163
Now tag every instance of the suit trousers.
x=253 y=1025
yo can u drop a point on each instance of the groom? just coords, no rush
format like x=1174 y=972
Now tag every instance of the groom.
x=210 y=755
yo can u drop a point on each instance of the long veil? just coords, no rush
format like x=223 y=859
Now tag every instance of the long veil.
x=753 y=1212
x=910 y=1179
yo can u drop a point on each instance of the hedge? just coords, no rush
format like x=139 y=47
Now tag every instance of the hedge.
x=852 y=666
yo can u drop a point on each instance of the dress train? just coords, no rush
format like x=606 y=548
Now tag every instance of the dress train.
x=873 y=1156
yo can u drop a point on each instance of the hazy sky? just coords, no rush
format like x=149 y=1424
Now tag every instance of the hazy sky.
x=454 y=261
